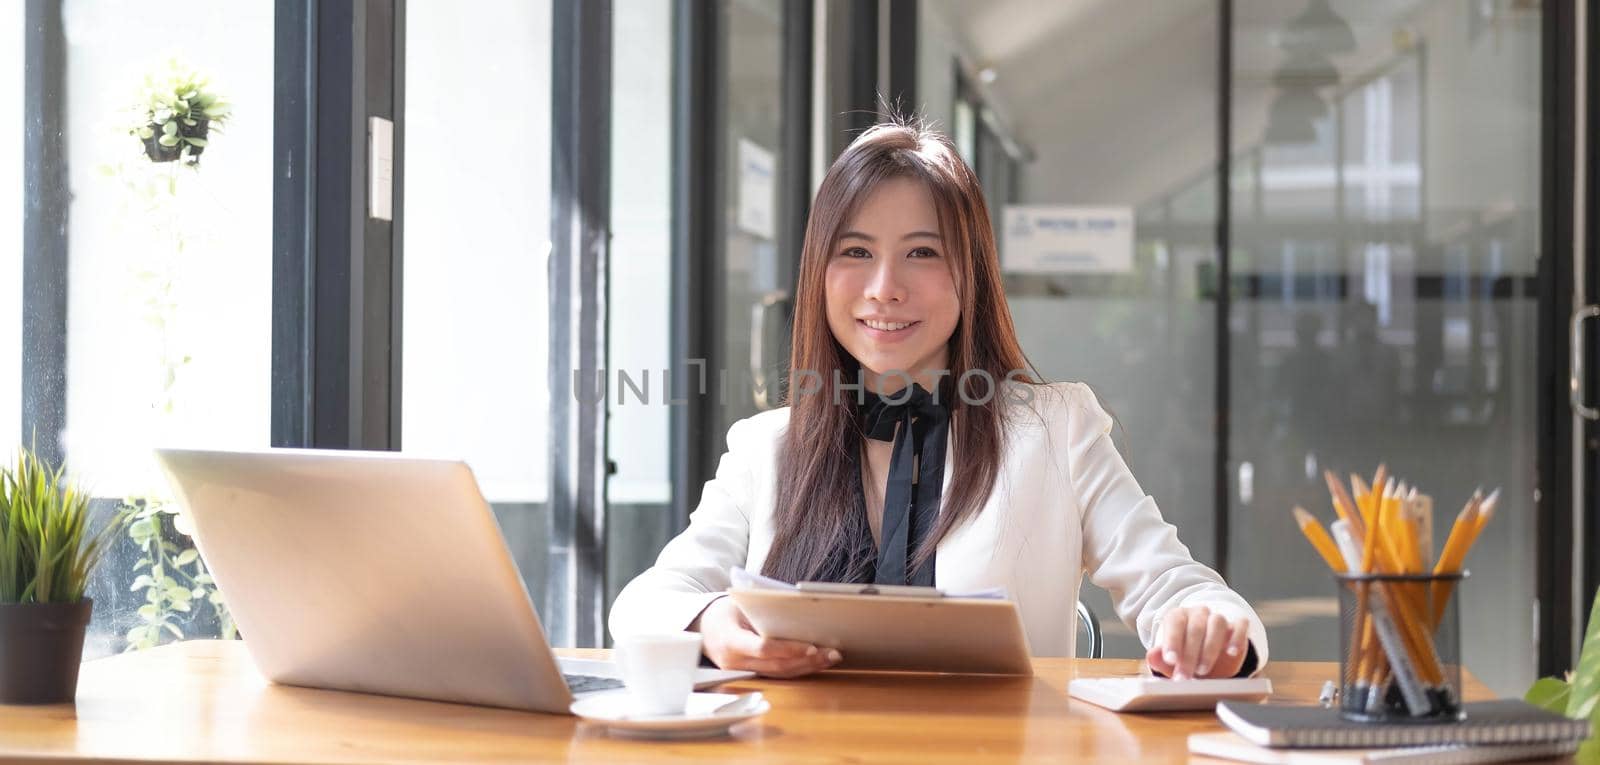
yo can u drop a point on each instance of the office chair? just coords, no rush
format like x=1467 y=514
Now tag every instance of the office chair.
x=1091 y=628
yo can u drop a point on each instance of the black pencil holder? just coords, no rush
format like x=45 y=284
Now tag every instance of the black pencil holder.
x=1400 y=647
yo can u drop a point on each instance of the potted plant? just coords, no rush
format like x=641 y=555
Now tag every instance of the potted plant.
x=176 y=115
x=47 y=551
x=1577 y=695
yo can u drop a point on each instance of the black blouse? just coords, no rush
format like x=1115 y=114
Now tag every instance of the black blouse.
x=917 y=424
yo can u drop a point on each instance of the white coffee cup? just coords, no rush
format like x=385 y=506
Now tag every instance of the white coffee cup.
x=658 y=670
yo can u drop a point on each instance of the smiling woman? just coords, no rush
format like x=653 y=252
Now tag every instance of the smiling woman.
x=899 y=233
x=960 y=470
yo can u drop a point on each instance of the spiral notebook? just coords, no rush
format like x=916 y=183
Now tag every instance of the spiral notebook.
x=1504 y=721
x=1229 y=746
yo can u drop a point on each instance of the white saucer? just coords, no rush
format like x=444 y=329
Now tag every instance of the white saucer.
x=615 y=711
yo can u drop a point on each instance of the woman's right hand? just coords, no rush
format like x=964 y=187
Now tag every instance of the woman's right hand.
x=730 y=641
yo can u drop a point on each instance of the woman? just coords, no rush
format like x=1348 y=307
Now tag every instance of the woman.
x=978 y=476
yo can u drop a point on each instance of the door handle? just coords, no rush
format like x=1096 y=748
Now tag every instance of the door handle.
x=758 y=346
x=1576 y=378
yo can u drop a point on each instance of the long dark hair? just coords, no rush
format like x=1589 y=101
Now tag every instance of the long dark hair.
x=818 y=456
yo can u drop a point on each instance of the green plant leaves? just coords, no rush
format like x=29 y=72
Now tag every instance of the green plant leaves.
x=1586 y=680
x=177 y=587
x=47 y=548
x=1549 y=693
x=173 y=96
x=1580 y=698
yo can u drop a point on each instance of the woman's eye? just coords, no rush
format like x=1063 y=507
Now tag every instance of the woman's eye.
x=856 y=252
x=923 y=252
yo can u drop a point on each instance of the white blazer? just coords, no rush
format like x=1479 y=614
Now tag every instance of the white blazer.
x=1064 y=504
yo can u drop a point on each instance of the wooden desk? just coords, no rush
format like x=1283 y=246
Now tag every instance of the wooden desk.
x=204 y=701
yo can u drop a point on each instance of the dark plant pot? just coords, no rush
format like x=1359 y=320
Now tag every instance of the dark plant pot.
x=158 y=153
x=201 y=129
x=41 y=646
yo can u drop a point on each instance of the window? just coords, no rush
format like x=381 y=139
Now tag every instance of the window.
x=477 y=240
x=639 y=493
x=11 y=49
x=168 y=316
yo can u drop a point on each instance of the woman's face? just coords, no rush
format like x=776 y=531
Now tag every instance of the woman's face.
x=891 y=297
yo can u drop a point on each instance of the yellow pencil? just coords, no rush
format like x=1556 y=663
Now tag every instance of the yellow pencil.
x=1451 y=560
x=1319 y=538
x=1364 y=498
x=1344 y=505
x=1485 y=512
x=1466 y=521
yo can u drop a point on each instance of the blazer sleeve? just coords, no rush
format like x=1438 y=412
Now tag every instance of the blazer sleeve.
x=692 y=570
x=1128 y=548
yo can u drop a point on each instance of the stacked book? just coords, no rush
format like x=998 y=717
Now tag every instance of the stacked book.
x=1492 y=731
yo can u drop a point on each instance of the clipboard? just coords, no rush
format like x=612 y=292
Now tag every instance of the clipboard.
x=899 y=631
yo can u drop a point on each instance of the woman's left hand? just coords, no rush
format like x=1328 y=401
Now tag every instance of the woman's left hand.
x=1195 y=642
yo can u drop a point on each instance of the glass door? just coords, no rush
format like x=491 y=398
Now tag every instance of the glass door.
x=1385 y=224
x=756 y=283
x=749 y=212
x=1137 y=149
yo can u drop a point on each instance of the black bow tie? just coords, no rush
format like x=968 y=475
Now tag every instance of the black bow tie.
x=916 y=477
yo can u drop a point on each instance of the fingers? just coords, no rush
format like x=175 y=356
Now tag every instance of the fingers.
x=1194 y=642
x=1194 y=638
x=1158 y=663
x=749 y=643
x=1217 y=635
x=792 y=667
x=1239 y=643
x=1234 y=652
x=781 y=658
x=1171 y=642
x=732 y=644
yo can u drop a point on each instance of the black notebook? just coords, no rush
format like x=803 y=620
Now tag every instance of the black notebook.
x=1505 y=721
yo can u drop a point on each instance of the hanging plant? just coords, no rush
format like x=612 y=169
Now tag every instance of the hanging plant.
x=178 y=111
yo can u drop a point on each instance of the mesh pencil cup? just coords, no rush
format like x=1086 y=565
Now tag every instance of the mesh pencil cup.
x=1399 y=647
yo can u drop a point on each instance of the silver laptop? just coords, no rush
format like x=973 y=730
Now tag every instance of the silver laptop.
x=378 y=573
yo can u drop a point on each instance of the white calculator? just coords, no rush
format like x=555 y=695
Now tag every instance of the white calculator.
x=1147 y=693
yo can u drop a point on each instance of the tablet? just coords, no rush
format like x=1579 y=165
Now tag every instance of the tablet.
x=888 y=632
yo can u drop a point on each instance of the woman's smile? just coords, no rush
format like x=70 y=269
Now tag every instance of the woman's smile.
x=887 y=331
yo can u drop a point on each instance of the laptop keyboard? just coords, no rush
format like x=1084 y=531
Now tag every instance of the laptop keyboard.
x=590 y=683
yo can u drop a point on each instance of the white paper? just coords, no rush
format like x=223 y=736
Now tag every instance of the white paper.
x=758 y=170
x=1067 y=239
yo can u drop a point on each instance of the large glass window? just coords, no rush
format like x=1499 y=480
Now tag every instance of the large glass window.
x=1119 y=112
x=1385 y=233
x=11 y=49
x=639 y=493
x=477 y=242
x=168 y=320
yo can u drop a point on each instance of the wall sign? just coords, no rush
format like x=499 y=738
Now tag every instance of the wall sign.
x=757 y=189
x=1066 y=239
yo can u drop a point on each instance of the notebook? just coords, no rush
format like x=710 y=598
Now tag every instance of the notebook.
x=1504 y=721
x=1232 y=746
